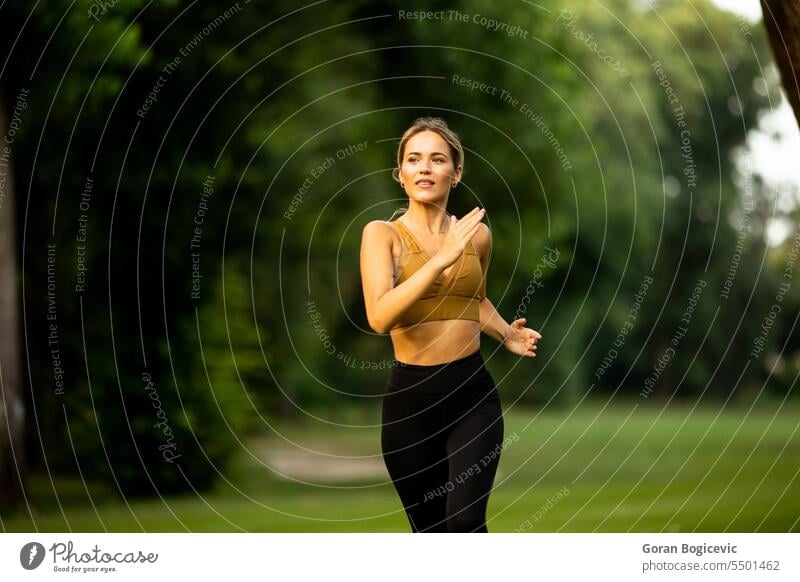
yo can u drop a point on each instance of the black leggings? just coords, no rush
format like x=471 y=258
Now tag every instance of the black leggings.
x=441 y=437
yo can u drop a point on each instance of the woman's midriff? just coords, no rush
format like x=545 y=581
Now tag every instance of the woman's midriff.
x=436 y=342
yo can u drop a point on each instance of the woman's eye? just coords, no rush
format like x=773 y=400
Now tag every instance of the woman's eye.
x=415 y=160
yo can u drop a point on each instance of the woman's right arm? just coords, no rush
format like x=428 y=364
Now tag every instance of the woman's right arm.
x=384 y=302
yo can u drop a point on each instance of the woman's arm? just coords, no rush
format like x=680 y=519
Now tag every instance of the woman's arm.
x=492 y=324
x=384 y=302
x=516 y=338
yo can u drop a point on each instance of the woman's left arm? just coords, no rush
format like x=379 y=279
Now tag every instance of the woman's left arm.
x=491 y=323
x=517 y=339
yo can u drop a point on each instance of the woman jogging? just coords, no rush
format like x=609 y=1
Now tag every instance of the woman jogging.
x=424 y=282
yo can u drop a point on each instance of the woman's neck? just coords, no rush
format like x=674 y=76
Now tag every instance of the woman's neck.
x=432 y=218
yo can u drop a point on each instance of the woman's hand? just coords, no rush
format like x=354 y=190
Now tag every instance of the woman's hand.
x=459 y=233
x=521 y=340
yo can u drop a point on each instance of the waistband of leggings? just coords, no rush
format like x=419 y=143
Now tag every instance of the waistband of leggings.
x=474 y=358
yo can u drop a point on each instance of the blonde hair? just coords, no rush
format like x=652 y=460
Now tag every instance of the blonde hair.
x=437 y=125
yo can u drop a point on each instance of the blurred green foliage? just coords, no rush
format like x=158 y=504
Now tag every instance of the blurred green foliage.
x=261 y=98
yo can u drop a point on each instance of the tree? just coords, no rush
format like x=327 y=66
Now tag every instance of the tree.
x=12 y=409
x=782 y=21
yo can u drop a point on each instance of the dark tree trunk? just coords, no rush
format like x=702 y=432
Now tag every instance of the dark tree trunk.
x=12 y=408
x=782 y=21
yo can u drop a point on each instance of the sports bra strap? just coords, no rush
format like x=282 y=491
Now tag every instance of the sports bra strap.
x=408 y=239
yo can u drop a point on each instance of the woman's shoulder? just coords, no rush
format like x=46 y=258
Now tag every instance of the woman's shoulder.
x=380 y=230
x=482 y=240
x=379 y=226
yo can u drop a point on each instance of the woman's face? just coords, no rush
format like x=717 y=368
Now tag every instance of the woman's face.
x=428 y=167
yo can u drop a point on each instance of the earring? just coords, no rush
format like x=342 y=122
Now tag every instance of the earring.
x=454 y=184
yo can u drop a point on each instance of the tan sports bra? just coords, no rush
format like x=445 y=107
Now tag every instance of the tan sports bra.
x=455 y=295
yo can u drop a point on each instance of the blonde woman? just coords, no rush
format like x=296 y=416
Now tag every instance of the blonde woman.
x=424 y=282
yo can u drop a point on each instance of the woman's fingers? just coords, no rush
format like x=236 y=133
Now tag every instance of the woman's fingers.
x=468 y=215
x=473 y=216
x=466 y=228
x=531 y=336
x=534 y=334
x=478 y=216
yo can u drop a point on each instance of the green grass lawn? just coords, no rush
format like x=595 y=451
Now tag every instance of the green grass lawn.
x=629 y=467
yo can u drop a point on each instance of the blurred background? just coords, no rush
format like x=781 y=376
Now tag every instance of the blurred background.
x=184 y=186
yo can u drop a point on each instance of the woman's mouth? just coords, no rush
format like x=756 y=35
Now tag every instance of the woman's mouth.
x=424 y=183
